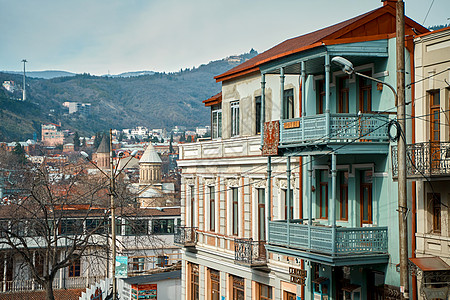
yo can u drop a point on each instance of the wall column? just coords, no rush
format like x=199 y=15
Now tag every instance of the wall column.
x=263 y=106
x=281 y=94
x=303 y=71
x=288 y=196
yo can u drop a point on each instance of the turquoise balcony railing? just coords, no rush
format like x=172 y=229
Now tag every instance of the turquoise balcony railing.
x=343 y=127
x=347 y=241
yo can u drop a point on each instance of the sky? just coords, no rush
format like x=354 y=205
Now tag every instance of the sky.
x=115 y=36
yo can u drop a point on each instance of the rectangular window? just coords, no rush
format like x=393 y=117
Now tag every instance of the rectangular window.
x=365 y=94
x=212 y=208
x=136 y=227
x=265 y=292
x=138 y=264
x=75 y=268
x=97 y=226
x=235 y=118
x=216 y=129
x=162 y=261
x=290 y=204
x=435 y=110
x=214 y=277
x=235 y=210
x=343 y=197
x=195 y=280
x=258 y=114
x=261 y=214
x=192 y=205
x=323 y=195
x=238 y=287
x=71 y=226
x=366 y=197
x=288 y=103
x=343 y=94
x=320 y=96
x=434 y=200
x=163 y=226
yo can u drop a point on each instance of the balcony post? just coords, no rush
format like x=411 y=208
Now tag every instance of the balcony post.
x=288 y=197
x=303 y=98
x=333 y=201
x=263 y=106
x=281 y=95
x=310 y=201
x=327 y=94
x=269 y=194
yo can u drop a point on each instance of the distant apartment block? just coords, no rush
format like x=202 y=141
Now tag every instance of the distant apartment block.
x=10 y=86
x=200 y=131
x=52 y=135
x=83 y=108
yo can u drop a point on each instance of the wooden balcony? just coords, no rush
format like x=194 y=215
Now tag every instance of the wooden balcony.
x=249 y=252
x=424 y=160
x=336 y=246
x=342 y=128
x=185 y=236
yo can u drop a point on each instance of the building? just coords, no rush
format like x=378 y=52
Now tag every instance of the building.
x=78 y=107
x=428 y=165
x=52 y=134
x=10 y=86
x=313 y=215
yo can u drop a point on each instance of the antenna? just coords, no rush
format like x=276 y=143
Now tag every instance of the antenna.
x=24 y=97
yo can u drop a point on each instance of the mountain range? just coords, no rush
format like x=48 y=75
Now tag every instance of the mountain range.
x=142 y=98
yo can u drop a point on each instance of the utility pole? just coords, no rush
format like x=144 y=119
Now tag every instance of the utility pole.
x=113 y=216
x=24 y=94
x=402 y=201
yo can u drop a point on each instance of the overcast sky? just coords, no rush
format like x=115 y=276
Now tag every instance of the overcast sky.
x=115 y=36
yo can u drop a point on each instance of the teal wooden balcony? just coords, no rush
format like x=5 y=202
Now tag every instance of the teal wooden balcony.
x=336 y=246
x=342 y=128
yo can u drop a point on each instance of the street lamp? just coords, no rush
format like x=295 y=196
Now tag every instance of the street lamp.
x=347 y=67
x=112 y=190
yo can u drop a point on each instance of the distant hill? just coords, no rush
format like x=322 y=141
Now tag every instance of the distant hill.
x=158 y=100
x=43 y=74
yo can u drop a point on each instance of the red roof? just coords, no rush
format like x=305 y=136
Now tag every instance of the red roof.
x=434 y=31
x=373 y=25
x=430 y=264
x=216 y=99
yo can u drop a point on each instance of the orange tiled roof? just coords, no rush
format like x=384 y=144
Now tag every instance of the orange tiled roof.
x=216 y=99
x=346 y=31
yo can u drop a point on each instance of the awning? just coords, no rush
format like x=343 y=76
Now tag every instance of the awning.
x=320 y=280
x=427 y=264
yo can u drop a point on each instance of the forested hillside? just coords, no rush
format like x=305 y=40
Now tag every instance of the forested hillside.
x=156 y=101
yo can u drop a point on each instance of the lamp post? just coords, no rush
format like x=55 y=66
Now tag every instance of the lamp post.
x=347 y=67
x=112 y=191
x=24 y=94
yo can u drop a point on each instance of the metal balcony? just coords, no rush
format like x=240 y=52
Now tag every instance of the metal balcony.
x=342 y=128
x=427 y=159
x=327 y=244
x=250 y=252
x=185 y=236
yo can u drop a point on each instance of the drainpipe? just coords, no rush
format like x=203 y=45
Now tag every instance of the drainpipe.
x=281 y=95
x=288 y=197
x=263 y=106
x=333 y=200
x=327 y=93
x=269 y=193
x=303 y=98
x=310 y=200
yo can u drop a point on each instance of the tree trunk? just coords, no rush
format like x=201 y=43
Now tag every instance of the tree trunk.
x=49 y=290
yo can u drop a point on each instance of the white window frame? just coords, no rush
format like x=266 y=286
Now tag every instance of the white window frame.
x=234 y=107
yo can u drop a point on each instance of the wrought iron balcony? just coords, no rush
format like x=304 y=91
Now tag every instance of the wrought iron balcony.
x=343 y=127
x=185 y=236
x=250 y=252
x=427 y=159
x=328 y=241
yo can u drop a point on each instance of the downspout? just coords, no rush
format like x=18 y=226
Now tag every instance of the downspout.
x=300 y=172
x=263 y=107
x=288 y=197
x=327 y=93
x=303 y=101
x=281 y=95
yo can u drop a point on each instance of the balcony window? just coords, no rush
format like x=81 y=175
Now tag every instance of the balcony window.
x=238 y=288
x=258 y=114
x=163 y=226
x=212 y=208
x=216 y=122
x=261 y=214
x=365 y=94
x=434 y=200
x=290 y=204
x=235 y=118
x=235 y=210
x=162 y=261
x=320 y=96
x=136 y=227
x=71 y=226
x=323 y=195
x=288 y=104
x=214 y=277
x=138 y=264
x=343 y=197
x=435 y=110
x=366 y=197
x=192 y=205
x=265 y=292
x=343 y=94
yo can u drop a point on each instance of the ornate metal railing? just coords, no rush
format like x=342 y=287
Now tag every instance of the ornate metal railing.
x=320 y=238
x=32 y=285
x=248 y=251
x=185 y=236
x=425 y=159
x=343 y=127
